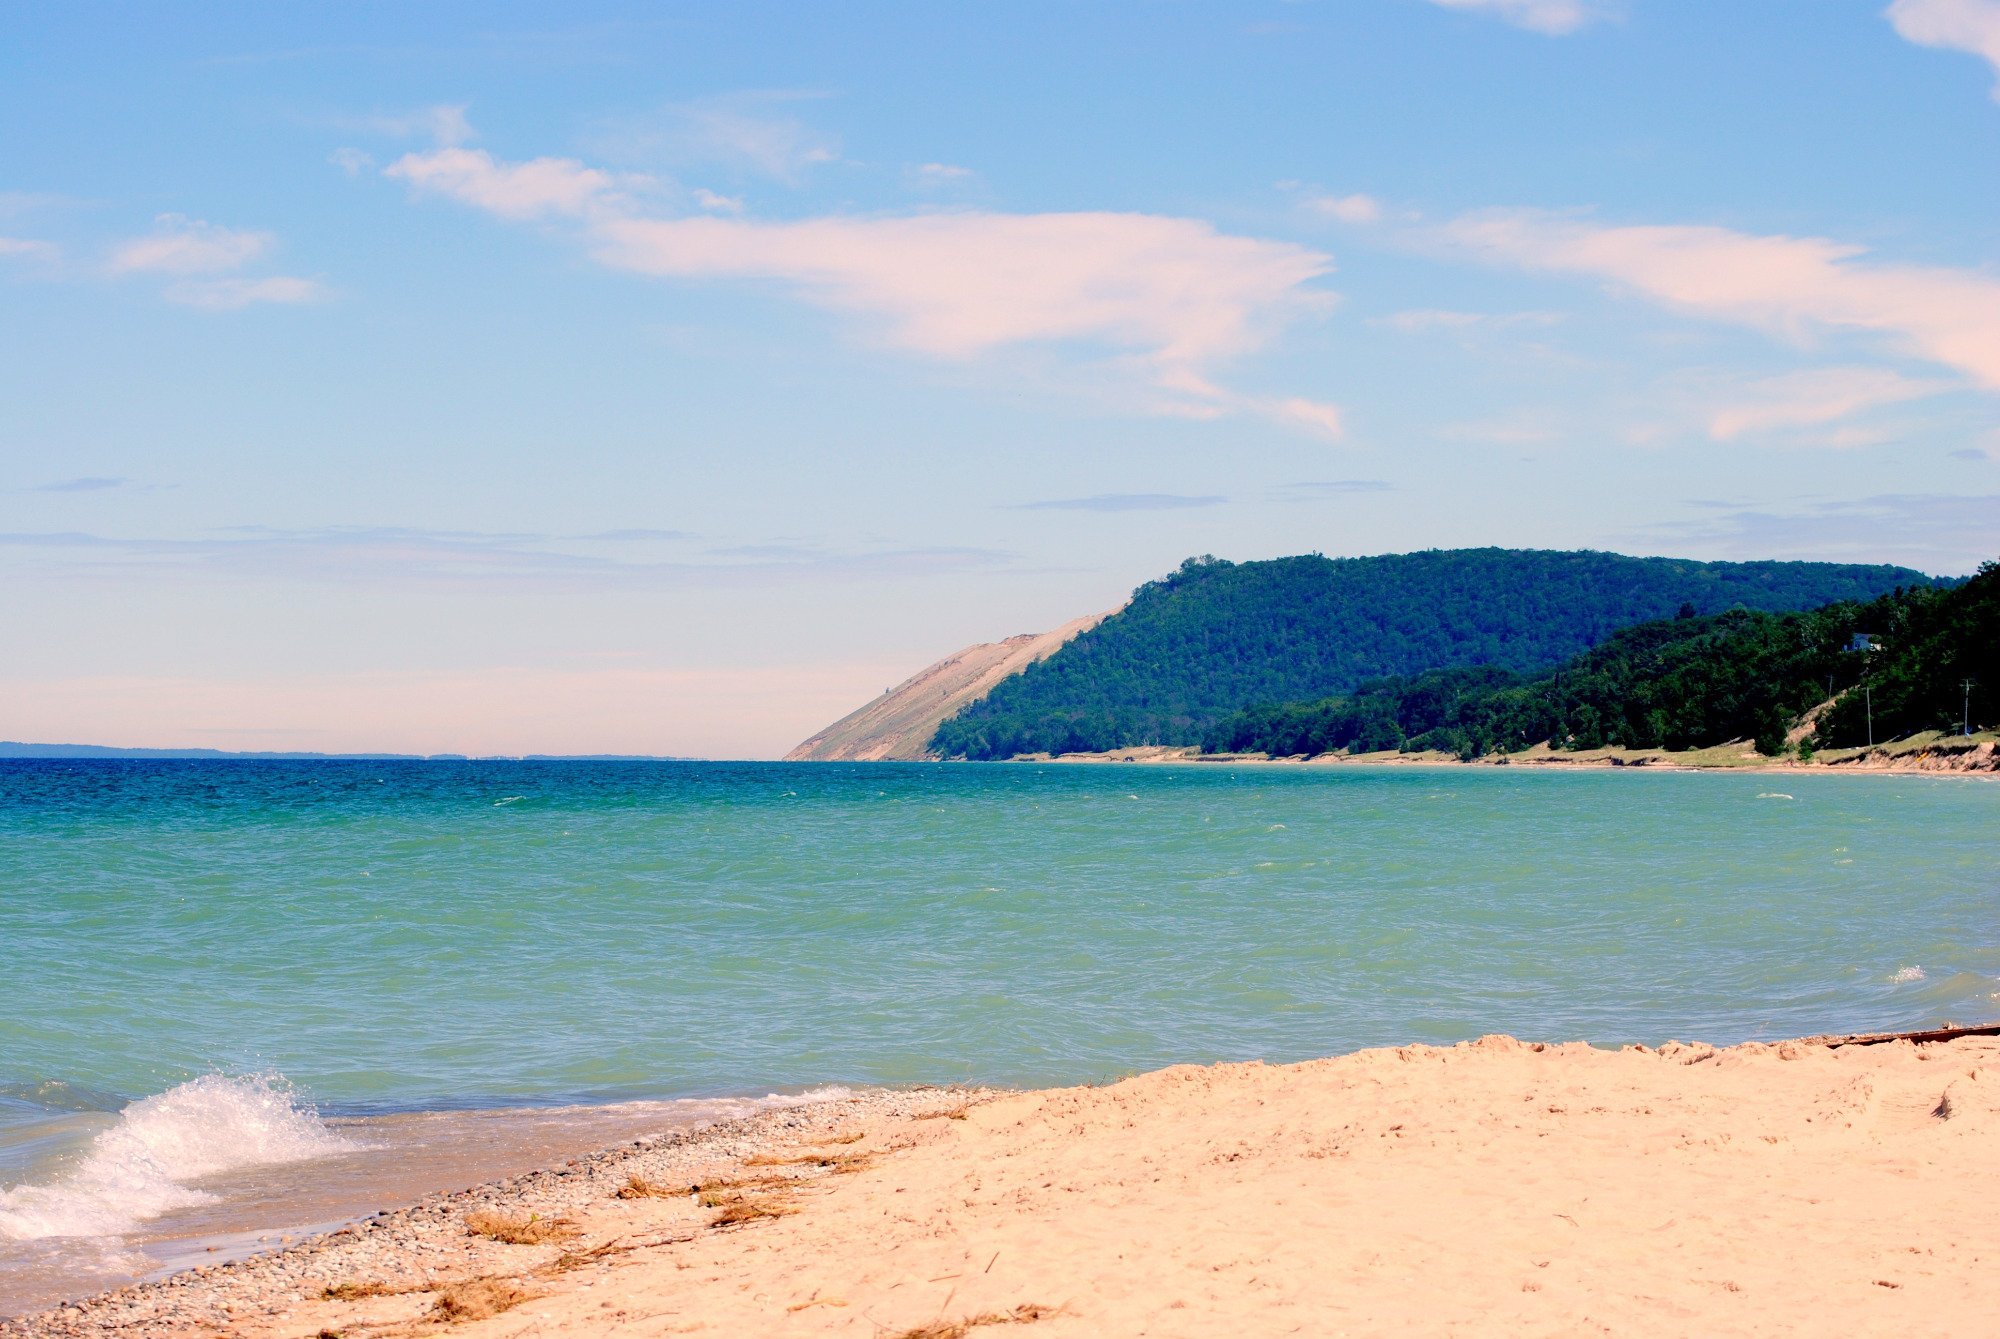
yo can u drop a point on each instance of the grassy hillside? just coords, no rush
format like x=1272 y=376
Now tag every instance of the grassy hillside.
x=1684 y=683
x=1215 y=637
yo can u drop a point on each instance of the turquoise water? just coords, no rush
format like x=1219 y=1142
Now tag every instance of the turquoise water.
x=409 y=936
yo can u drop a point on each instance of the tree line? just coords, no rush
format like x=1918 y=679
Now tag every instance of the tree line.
x=1692 y=681
x=1214 y=638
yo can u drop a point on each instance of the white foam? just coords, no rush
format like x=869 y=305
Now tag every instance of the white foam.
x=141 y=1167
x=1908 y=974
x=1772 y=795
x=829 y=1092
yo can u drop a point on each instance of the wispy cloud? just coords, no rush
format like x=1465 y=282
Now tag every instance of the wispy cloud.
x=1963 y=25
x=233 y=294
x=194 y=252
x=1554 y=17
x=181 y=245
x=442 y=123
x=742 y=132
x=28 y=248
x=1172 y=296
x=1813 y=398
x=1934 y=532
x=1344 y=208
x=1424 y=320
x=930 y=176
x=351 y=161
x=962 y=284
x=88 y=484
x=538 y=188
x=401 y=556
x=1111 y=502
x=631 y=535
x=1792 y=287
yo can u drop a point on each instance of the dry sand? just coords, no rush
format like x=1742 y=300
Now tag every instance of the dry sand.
x=1492 y=1188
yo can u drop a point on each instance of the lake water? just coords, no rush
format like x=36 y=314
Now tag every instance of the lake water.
x=242 y=999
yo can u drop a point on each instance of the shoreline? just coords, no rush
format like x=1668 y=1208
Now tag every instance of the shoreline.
x=879 y=1212
x=1946 y=756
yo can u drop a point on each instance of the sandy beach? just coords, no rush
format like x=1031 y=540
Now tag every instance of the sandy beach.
x=1495 y=1187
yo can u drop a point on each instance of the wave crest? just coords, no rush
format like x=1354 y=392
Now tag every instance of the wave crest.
x=141 y=1167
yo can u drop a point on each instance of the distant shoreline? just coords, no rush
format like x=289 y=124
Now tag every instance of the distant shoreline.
x=1977 y=756
x=13 y=751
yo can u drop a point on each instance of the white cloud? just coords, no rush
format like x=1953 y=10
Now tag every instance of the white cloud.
x=539 y=187
x=1962 y=25
x=1815 y=397
x=717 y=203
x=1346 y=208
x=961 y=284
x=234 y=294
x=1795 y=287
x=1173 y=294
x=1554 y=17
x=181 y=245
x=1313 y=415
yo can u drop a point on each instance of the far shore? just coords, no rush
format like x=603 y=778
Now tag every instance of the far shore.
x=1820 y=1186
x=1932 y=753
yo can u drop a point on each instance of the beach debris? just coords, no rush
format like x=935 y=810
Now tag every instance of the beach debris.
x=478 y=1299
x=708 y=1192
x=354 y=1291
x=1025 y=1314
x=817 y=1301
x=1942 y=1110
x=640 y=1187
x=838 y=1161
x=745 y=1210
x=518 y=1229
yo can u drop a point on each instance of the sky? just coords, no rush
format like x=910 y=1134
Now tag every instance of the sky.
x=673 y=378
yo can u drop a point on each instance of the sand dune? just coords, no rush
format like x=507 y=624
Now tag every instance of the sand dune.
x=1491 y=1188
x=897 y=726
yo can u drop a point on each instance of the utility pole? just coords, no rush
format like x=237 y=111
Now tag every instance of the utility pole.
x=1868 y=696
x=1965 y=718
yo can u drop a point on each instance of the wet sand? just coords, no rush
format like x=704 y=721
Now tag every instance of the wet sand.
x=1490 y=1188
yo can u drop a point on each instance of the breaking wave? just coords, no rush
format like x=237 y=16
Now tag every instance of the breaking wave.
x=142 y=1166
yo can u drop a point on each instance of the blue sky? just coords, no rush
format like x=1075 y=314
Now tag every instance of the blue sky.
x=505 y=378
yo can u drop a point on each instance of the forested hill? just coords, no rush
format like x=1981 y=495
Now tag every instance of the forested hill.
x=1933 y=663
x=1217 y=636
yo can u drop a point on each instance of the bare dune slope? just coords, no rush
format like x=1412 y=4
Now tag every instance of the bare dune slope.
x=897 y=726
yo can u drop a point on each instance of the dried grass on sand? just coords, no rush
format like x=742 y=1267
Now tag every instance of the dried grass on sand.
x=519 y=1229
x=1025 y=1314
x=477 y=1299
